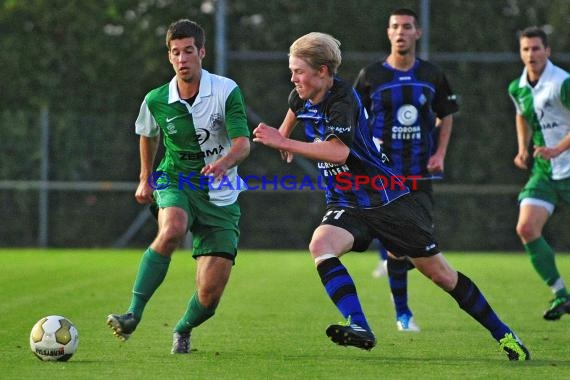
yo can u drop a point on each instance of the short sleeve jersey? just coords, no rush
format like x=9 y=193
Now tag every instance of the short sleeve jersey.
x=546 y=108
x=196 y=134
x=341 y=115
x=403 y=107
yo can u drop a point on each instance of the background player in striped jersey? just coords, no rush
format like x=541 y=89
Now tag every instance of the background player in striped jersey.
x=339 y=138
x=542 y=100
x=204 y=129
x=410 y=106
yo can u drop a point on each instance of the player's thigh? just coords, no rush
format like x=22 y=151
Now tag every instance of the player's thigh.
x=537 y=201
x=329 y=239
x=173 y=216
x=349 y=220
x=533 y=215
x=173 y=220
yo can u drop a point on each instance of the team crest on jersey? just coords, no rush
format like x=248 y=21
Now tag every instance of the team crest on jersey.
x=171 y=128
x=422 y=99
x=216 y=122
x=407 y=114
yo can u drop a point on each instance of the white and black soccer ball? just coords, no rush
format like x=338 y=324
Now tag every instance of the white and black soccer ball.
x=54 y=338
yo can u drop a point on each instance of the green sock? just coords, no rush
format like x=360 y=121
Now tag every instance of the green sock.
x=542 y=259
x=152 y=270
x=195 y=315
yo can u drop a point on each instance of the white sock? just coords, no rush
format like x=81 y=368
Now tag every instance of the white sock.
x=323 y=257
x=558 y=285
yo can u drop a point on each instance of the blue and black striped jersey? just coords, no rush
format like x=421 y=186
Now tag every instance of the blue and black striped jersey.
x=403 y=107
x=341 y=115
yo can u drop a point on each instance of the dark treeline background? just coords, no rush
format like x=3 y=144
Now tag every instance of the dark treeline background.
x=91 y=63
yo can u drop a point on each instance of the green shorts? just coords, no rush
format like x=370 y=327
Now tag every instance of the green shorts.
x=214 y=229
x=546 y=189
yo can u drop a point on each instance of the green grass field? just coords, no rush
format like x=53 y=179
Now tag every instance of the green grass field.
x=271 y=322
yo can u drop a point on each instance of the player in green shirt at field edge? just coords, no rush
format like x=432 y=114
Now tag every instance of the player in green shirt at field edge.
x=203 y=123
x=542 y=100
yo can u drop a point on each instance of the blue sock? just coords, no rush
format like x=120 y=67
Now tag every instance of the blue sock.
x=342 y=291
x=398 y=280
x=470 y=299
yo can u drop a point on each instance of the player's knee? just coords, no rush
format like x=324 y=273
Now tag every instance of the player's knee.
x=317 y=247
x=209 y=297
x=327 y=244
x=171 y=235
x=527 y=232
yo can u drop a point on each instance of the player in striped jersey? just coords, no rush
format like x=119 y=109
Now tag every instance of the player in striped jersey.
x=541 y=96
x=339 y=139
x=203 y=124
x=410 y=104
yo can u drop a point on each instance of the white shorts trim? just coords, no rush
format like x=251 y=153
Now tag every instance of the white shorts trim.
x=538 y=202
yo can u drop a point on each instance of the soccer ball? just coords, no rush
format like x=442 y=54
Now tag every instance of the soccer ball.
x=54 y=338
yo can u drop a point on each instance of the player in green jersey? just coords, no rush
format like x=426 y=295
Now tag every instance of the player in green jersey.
x=203 y=124
x=542 y=100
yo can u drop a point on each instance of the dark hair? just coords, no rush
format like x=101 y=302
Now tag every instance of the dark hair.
x=406 y=12
x=185 y=28
x=535 y=31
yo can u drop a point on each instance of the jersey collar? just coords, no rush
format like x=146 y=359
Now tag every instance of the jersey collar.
x=205 y=88
x=543 y=77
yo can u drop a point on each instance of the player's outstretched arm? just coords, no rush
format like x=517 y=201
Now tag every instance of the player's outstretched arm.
x=332 y=150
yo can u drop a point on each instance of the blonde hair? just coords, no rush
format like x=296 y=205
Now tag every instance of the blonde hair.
x=318 y=49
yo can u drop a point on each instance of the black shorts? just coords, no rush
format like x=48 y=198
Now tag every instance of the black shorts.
x=404 y=226
x=423 y=192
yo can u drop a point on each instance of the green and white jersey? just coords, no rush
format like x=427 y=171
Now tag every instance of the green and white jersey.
x=546 y=108
x=197 y=134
